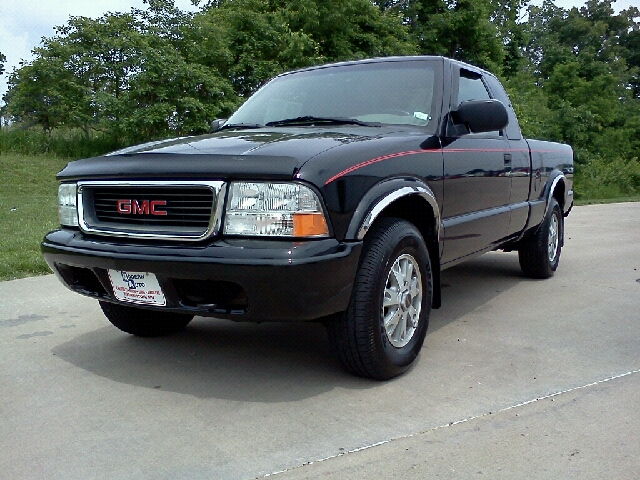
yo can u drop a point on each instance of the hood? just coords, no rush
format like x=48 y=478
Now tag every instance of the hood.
x=276 y=153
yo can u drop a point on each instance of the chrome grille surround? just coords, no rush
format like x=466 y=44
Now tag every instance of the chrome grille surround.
x=89 y=224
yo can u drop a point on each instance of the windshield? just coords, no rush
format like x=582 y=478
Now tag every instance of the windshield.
x=383 y=93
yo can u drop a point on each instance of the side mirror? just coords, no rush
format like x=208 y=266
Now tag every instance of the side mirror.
x=217 y=124
x=481 y=115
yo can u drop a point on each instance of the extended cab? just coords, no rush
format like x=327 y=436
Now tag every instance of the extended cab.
x=335 y=193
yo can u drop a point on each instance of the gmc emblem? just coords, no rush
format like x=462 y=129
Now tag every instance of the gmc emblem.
x=145 y=207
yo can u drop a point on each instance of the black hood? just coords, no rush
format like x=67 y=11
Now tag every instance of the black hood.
x=276 y=153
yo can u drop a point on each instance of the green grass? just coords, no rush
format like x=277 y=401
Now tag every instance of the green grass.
x=607 y=180
x=29 y=161
x=28 y=209
x=595 y=201
x=62 y=143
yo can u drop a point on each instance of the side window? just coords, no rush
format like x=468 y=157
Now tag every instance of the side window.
x=471 y=89
x=513 y=129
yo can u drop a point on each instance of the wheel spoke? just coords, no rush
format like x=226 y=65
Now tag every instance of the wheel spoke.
x=553 y=238
x=414 y=290
x=401 y=329
x=413 y=314
x=397 y=274
x=391 y=322
x=408 y=272
x=390 y=298
x=402 y=300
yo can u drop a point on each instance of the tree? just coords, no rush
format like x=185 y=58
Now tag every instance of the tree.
x=170 y=94
x=349 y=29
x=460 y=29
x=630 y=40
x=42 y=93
x=250 y=41
x=580 y=63
x=508 y=16
x=573 y=75
x=3 y=59
x=124 y=74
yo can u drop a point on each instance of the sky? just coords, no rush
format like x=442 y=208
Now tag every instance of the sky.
x=24 y=22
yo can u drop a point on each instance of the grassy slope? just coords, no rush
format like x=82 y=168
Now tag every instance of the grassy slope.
x=28 y=209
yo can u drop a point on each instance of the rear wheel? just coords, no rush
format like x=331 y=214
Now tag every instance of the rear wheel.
x=144 y=323
x=382 y=332
x=540 y=253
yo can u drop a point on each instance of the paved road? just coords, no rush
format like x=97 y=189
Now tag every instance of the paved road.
x=517 y=378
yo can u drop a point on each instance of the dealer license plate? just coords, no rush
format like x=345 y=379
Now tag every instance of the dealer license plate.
x=137 y=287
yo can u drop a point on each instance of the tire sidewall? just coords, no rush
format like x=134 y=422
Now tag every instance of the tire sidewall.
x=409 y=241
x=554 y=209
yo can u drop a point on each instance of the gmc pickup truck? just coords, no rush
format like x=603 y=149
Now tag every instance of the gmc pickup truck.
x=336 y=193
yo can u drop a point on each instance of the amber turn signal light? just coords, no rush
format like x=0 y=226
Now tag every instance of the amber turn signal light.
x=309 y=225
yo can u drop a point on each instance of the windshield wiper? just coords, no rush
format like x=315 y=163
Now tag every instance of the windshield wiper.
x=311 y=120
x=240 y=126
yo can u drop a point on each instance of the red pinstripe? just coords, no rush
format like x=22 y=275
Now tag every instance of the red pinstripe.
x=415 y=152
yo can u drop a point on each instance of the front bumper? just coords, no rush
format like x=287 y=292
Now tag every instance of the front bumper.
x=240 y=279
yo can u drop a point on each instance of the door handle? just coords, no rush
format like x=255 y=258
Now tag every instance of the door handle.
x=507 y=162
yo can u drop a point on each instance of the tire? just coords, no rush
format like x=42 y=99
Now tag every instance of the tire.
x=144 y=323
x=540 y=253
x=393 y=286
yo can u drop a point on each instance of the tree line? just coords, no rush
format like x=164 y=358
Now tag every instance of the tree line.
x=573 y=75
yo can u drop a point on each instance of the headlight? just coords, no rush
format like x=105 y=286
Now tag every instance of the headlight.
x=274 y=209
x=67 y=204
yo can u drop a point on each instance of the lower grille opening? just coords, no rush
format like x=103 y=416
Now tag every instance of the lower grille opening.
x=82 y=280
x=216 y=296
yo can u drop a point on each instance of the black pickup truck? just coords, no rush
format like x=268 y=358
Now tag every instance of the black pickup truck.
x=336 y=193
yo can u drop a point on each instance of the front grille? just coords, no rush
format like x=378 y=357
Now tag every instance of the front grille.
x=189 y=208
x=175 y=210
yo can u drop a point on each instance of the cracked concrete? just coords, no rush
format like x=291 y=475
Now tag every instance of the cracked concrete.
x=82 y=400
x=586 y=432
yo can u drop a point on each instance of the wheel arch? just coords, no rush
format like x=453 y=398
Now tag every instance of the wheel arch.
x=411 y=200
x=557 y=188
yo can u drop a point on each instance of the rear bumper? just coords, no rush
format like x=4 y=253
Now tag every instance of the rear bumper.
x=244 y=280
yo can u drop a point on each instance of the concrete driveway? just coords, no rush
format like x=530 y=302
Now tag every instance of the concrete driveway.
x=517 y=379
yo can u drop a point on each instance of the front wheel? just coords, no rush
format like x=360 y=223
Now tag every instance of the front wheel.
x=382 y=331
x=540 y=253
x=144 y=323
